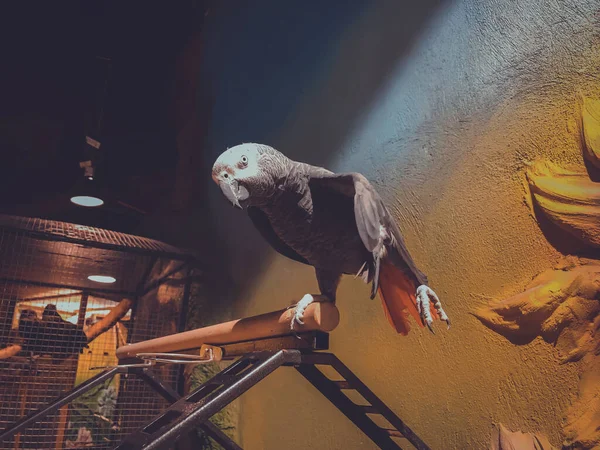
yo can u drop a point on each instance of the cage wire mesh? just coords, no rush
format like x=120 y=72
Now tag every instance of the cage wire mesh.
x=56 y=325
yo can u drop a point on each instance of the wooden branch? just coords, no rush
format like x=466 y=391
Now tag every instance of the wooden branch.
x=318 y=316
x=115 y=314
x=10 y=351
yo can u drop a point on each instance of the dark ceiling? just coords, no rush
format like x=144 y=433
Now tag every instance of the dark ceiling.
x=54 y=86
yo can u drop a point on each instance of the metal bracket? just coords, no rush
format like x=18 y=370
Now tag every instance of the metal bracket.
x=208 y=354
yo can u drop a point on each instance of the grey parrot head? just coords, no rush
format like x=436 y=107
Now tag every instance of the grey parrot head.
x=248 y=173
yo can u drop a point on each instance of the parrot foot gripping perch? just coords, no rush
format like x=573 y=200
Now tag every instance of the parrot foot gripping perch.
x=425 y=296
x=300 y=307
x=257 y=347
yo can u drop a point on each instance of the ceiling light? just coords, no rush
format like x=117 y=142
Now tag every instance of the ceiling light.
x=102 y=279
x=88 y=201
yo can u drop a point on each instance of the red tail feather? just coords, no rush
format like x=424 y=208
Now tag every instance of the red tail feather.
x=397 y=292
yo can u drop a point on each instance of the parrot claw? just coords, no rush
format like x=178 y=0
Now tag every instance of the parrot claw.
x=299 y=313
x=296 y=335
x=425 y=295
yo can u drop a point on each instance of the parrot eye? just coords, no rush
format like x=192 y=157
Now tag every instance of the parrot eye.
x=244 y=160
x=225 y=175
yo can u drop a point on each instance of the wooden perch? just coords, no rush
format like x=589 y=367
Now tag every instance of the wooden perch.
x=10 y=351
x=116 y=313
x=318 y=316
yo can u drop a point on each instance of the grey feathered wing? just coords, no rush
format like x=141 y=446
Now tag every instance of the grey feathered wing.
x=393 y=272
x=262 y=224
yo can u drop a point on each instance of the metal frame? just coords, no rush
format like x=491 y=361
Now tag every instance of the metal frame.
x=67 y=286
x=194 y=410
x=179 y=255
x=171 y=396
x=212 y=396
x=358 y=414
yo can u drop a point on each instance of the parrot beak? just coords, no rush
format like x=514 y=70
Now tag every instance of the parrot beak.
x=234 y=192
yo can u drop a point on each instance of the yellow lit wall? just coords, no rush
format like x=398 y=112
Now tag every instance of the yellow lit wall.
x=444 y=109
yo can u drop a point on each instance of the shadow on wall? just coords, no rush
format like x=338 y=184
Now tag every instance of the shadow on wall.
x=273 y=82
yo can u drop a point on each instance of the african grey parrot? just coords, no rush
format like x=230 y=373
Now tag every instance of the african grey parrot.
x=336 y=223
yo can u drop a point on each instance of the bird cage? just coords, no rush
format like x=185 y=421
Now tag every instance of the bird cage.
x=70 y=295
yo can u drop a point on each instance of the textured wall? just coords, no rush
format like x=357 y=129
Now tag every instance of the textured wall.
x=442 y=108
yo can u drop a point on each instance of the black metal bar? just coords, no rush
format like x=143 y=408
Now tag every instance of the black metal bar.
x=352 y=411
x=172 y=396
x=183 y=312
x=65 y=286
x=132 y=318
x=185 y=301
x=138 y=438
x=353 y=382
x=220 y=438
x=311 y=340
x=6 y=320
x=52 y=407
x=163 y=390
x=208 y=399
x=49 y=297
x=383 y=409
x=155 y=383
x=82 y=307
x=205 y=409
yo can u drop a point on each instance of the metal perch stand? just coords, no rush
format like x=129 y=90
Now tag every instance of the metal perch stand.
x=259 y=345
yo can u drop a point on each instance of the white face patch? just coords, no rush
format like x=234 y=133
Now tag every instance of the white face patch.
x=239 y=162
x=251 y=169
